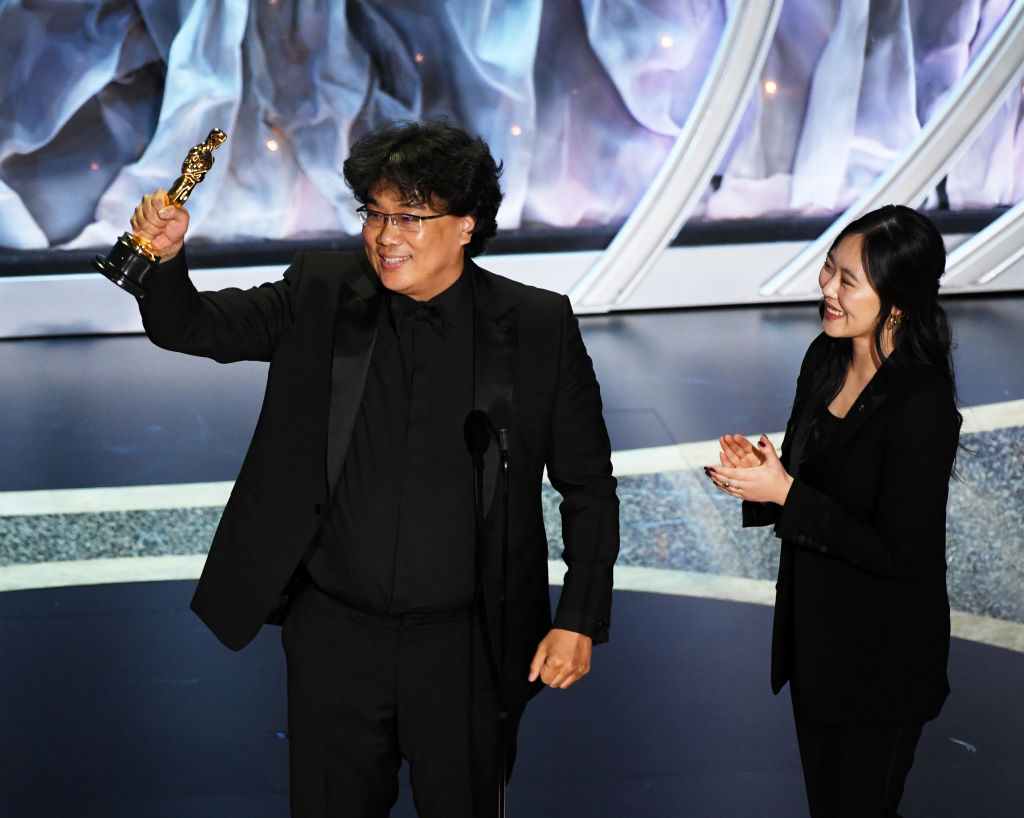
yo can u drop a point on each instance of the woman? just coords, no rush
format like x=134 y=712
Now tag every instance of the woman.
x=858 y=499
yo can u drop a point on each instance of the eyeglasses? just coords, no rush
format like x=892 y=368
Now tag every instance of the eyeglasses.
x=406 y=222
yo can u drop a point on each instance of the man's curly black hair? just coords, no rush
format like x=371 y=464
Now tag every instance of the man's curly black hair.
x=434 y=163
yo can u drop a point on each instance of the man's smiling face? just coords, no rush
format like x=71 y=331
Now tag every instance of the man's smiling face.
x=419 y=264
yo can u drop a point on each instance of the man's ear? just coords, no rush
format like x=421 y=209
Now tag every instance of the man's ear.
x=466 y=226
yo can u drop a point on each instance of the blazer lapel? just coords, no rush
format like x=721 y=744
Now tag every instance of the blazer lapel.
x=872 y=396
x=801 y=428
x=867 y=402
x=355 y=330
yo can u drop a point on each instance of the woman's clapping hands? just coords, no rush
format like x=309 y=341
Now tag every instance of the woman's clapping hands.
x=750 y=472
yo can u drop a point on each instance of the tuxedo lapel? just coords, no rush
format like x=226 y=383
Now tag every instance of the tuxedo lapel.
x=495 y=345
x=495 y=348
x=355 y=330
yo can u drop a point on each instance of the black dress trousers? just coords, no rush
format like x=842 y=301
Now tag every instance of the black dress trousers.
x=364 y=692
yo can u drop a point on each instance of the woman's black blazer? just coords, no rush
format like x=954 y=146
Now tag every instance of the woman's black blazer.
x=861 y=616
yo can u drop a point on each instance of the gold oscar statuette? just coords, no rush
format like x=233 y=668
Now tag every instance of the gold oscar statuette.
x=132 y=259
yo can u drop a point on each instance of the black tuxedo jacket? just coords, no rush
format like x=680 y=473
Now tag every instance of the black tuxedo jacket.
x=316 y=327
x=861 y=615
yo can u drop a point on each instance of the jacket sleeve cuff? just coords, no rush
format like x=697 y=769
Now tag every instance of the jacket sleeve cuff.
x=595 y=628
x=755 y=514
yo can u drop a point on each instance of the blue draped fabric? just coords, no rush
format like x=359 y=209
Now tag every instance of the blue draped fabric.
x=581 y=100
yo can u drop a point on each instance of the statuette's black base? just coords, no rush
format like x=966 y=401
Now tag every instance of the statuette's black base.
x=126 y=266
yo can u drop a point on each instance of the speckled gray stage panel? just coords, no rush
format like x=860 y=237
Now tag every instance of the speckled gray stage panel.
x=49 y=537
x=671 y=520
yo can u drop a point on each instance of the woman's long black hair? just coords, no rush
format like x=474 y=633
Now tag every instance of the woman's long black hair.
x=904 y=257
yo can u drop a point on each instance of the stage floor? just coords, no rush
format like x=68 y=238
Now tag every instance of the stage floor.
x=115 y=459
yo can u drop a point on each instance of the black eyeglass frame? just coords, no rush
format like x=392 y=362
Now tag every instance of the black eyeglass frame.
x=364 y=215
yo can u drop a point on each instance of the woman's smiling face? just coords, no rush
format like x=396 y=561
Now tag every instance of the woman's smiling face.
x=851 y=302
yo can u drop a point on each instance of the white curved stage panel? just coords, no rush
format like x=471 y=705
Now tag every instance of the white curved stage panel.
x=991 y=258
x=694 y=157
x=948 y=133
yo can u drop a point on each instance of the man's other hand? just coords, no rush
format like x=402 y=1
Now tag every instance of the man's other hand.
x=562 y=658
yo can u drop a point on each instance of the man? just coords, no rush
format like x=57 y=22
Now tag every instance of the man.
x=369 y=512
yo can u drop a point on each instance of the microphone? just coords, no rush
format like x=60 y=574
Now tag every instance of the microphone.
x=501 y=415
x=477 y=432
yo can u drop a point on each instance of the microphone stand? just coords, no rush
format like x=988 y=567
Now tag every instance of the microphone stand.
x=503 y=691
x=478 y=432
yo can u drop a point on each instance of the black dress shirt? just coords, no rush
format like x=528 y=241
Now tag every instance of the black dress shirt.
x=399 y=536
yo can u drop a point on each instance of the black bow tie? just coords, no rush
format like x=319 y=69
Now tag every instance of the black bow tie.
x=405 y=312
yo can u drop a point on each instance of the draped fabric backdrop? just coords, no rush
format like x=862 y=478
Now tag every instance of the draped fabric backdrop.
x=581 y=100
